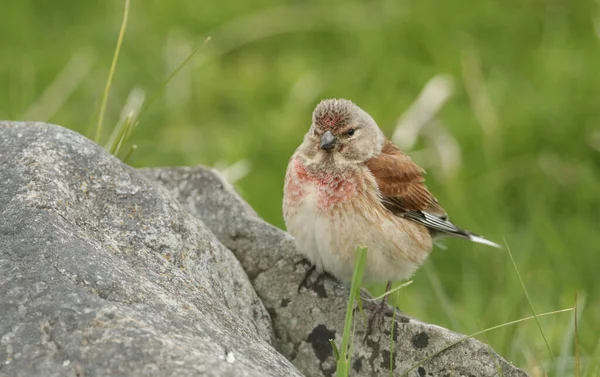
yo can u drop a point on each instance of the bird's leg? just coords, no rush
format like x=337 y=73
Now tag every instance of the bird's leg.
x=388 y=287
x=308 y=274
x=379 y=313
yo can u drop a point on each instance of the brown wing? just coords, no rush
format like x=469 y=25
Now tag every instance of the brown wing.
x=404 y=193
x=401 y=183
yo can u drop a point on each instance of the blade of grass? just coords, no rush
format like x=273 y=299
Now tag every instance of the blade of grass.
x=564 y=363
x=111 y=72
x=132 y=106
x=336 y=352
x=392 y=334
x=129 y=153
x=528 y=299
x=479 y=333
x=122 y=133
x=351 y=347
x=576 y=341
x=393 y=290
x=360 y=308
x=343 y=362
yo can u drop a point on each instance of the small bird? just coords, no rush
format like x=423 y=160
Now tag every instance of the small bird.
x=347 y=185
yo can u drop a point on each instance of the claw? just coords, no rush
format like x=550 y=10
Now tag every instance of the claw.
x=379 y=314
x=304 y=282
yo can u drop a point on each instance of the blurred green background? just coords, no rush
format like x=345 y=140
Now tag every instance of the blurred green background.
x=514 y=154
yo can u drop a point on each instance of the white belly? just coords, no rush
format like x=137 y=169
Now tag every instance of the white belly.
x=329 y=238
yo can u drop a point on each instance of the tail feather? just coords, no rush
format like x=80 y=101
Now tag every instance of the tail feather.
x=479 y=239
x=440 y=227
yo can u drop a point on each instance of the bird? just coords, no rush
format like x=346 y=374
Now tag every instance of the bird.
x=348 y=185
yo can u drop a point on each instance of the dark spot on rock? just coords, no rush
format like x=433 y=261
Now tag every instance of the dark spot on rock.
x=294 y=351
x=319 y=289
x=385 y=363
x=421 y=371
x=319 y=339
x=284 y=302
x=402 y=319
x=374 y=346
x=272 y=313
x=357 y=364
x=103 y=294
x=396 y=333
x=420 y=341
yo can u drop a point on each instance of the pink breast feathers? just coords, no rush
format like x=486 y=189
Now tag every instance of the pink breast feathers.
x=330 y=189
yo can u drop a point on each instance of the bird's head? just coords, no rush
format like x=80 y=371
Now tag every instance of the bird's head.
x=342 y=133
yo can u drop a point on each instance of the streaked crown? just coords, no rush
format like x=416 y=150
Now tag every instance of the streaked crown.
x=334 y=114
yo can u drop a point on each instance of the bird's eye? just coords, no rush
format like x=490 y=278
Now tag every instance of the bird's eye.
x=350 y=132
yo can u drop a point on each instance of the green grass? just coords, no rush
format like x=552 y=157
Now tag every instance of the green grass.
x=111 y=73
x=344 y=353
x=524 y=115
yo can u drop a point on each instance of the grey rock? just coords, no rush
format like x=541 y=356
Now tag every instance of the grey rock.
x=103 y=273
x=305 y=321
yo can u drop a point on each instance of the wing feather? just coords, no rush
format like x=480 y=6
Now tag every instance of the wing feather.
x=402 y=184
x=403 y=192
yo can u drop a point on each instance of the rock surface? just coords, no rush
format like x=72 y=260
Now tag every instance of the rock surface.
x=102 y=273
x=305 y=321
x=105 y=270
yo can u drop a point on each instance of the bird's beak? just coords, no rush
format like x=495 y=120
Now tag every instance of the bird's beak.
x=328 y=141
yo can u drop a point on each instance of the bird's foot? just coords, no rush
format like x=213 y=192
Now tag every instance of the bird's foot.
x=307 y=282
x=379 y=316
x=314 y=281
